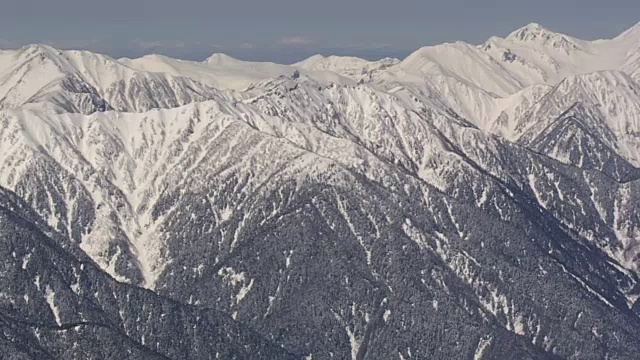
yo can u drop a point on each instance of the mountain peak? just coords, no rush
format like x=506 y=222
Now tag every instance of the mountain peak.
x=534 y=33
x=38 y=49
x=316 y=57
x=531 y=32
x=220 y=59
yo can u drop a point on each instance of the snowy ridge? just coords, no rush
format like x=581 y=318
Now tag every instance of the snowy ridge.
x=484 y=198
x=459 y=60
x=143 y=155
x=614 y=98
x=219 y=70
x=225 y=72
x=348 y=66
x=536 y=34
x=537 y=55
x=81 y=81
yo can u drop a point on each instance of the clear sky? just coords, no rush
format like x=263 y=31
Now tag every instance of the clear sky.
x=289 y=30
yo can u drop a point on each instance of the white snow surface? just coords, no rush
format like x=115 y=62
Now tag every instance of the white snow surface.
x=225 y=72
x=50 y=297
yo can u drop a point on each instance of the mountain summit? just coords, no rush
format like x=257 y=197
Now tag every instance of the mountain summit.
x=535 y=33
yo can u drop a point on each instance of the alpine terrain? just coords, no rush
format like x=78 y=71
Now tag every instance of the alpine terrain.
x=466 y=202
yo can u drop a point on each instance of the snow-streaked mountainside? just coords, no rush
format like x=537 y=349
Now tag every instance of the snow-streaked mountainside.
x=469 y=201
x=80 y=81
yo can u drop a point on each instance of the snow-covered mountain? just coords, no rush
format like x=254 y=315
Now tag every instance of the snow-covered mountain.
x=542 y=56
x=613 y=100
x=349 y=66
x=466 y=202
x=219 y=70
x=81 y=81
x=224 y=72
x=479 y=81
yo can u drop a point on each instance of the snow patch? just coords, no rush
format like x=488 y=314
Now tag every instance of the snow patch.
x=483 y=344
x=50 y=297
x=387 y=315
x=236 y=281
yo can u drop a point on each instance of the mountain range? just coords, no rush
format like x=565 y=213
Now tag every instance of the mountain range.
x=467 y=202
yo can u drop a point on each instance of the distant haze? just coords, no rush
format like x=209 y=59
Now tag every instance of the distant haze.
x=286 y=31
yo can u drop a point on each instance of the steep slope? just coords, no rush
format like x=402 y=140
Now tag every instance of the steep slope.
x=55 y=305
x=344 y=220
x=506 y=112
x=491 y=85
x=448 y=94
x=572 y=139
x=378 y=121
x=614 y=102
x=33 y=75
x=467 y=202
x=539 y=56
x=483 y=110
x=459 y=60
x=632 y=64
x=80 y=81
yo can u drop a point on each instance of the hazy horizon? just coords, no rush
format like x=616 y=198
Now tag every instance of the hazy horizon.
x=285 y=31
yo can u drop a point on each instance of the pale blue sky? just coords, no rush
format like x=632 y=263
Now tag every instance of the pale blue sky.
x=288 y=30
